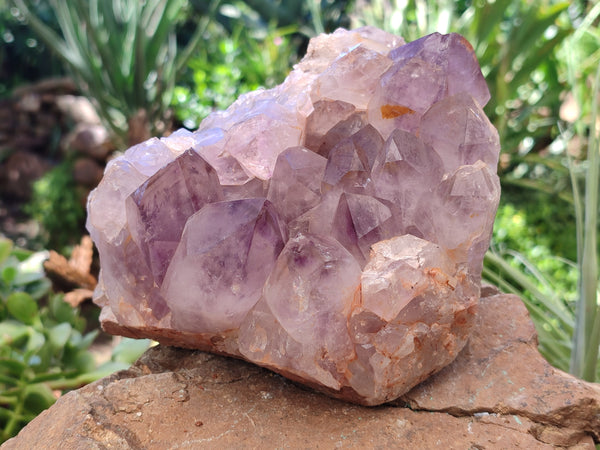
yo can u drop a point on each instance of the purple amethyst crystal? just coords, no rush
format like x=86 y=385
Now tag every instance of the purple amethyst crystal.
x=331 y=229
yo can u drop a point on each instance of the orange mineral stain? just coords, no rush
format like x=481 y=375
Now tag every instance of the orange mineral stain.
x=391 y=111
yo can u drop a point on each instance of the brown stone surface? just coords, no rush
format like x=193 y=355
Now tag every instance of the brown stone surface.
x=499 y=393
x=501 y=371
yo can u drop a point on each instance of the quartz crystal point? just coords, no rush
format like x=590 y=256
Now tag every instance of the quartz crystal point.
x=331 y=229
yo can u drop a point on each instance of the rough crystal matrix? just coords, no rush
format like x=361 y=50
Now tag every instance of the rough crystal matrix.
x=331 y=229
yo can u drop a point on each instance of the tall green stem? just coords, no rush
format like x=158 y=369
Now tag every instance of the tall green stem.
x=10 y=428
x=587 y=332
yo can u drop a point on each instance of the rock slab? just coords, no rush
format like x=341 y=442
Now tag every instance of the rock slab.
x=498 y=393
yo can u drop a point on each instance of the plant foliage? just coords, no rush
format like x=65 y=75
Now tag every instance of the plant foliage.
x=230 y=65
x=23 y=58
x=586 y=339
x=57 y=204
x=568 y=323
x=43 y=347
x=123 y=54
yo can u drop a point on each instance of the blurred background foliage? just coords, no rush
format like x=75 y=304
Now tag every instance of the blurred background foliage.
x=123 y=54
x=540 y=59
x=23 y=58
x=44 y=342
x=56 y=204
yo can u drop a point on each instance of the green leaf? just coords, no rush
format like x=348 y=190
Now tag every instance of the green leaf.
x=52 y=376
x=38 y=289
x=32 y=269
x=129 y=350
x=59 y=334
x=13 y=366
x=60 y=310
x=22 y=307
x=108 y=368
x=534 y=22
x=487 y=19
x=35 y=343
x=12 y=332
x=6 y=246
x=88 y=339
x=10 y=380
x=8 y=274
x=540 y=55
x=21 y=253
x=83 y=362
x=38 y=397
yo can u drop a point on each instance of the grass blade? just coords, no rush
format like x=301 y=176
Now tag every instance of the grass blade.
x=588 y=333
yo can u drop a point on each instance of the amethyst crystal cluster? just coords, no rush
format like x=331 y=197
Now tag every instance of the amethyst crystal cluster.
x=331 y=229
